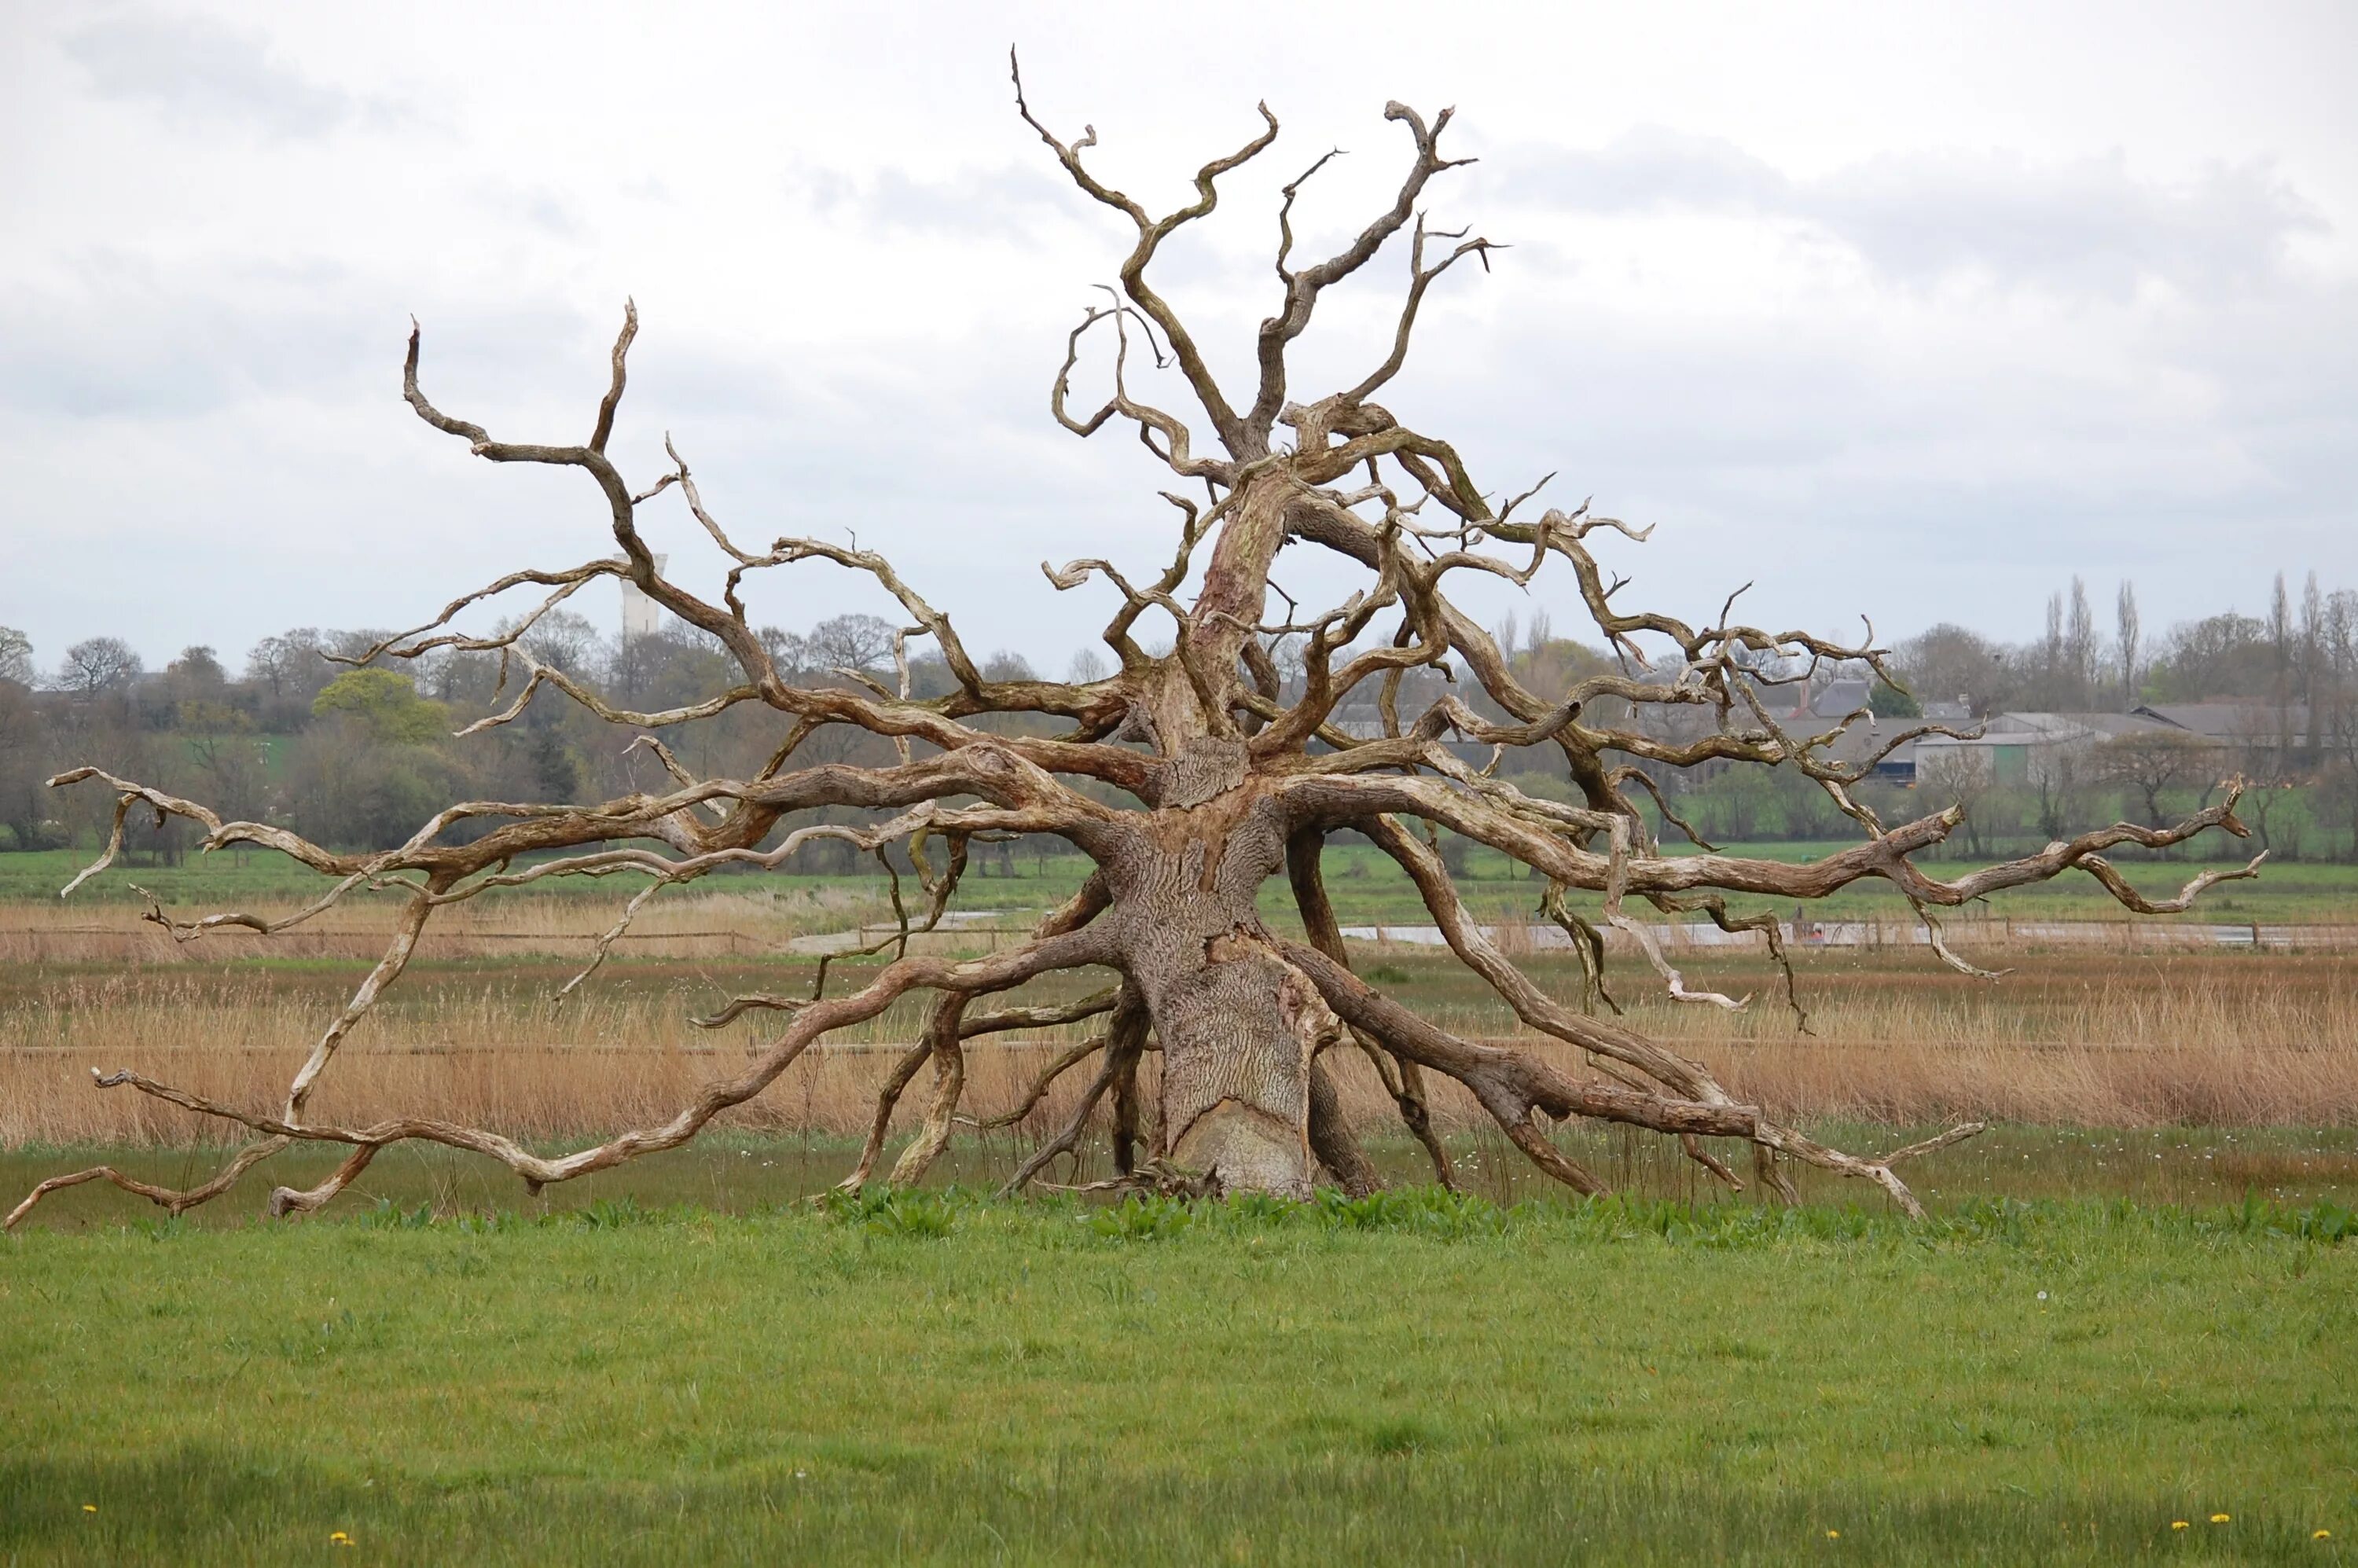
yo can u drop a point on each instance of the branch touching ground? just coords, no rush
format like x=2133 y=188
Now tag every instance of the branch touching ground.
x=1512 y=1086
x=1125 y=1038
x=171 y=1200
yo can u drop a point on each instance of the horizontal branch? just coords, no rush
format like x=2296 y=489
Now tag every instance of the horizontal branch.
x=1518 y=827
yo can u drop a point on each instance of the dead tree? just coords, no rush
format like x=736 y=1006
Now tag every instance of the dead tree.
x=1229 y=773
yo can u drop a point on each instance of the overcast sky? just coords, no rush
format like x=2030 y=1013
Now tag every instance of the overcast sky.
x=1896 y=309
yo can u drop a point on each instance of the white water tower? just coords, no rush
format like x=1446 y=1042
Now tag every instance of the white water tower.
x=642 y=616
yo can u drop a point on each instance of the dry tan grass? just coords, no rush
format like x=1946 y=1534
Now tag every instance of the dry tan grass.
x=714 y=924
x=2086 y=1039
x=490 y=1049
x=2226 y=1040
x=2091 y=1039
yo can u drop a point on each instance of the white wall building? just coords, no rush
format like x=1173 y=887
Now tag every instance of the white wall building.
x=642 y=616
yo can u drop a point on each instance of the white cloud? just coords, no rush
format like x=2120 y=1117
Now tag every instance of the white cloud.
x=196 y=72
x=2084 y=225
x=1911 y=313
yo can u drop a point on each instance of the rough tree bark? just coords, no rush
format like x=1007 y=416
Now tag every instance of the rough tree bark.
x=1229 y=773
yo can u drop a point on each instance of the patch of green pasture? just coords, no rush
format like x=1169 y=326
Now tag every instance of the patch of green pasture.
x=2285 y=892
x=229 y=875
x=733 y=1170
x=1031 y=1383
x=1365 y=886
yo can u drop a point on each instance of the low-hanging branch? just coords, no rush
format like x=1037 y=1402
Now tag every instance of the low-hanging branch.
x=1228 y=765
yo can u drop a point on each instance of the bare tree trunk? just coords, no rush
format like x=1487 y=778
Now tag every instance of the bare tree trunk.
x=1238 y=1026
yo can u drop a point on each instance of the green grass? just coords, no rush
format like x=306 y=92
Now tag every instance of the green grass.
x=2305 y=892
x=230 y=875
x=1365 y=885
x=1410 y=1380
x=733 y=1172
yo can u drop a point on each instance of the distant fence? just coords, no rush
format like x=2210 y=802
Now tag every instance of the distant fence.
x=94 y=943
x=2130 y=936
x=467 y=934
x=62 y=944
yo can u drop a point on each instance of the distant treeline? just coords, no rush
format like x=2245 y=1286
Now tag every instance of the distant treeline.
x=358 y=757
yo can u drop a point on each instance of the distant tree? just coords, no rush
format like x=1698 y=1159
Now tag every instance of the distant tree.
x=556 y=775
x=785 y=650
x=1887 y=701
x=99 y=665
x=2219 y=655
x=2125 y=641
x=564 y=642
x=1805 y=811
x=930 y=675
x=2333 y=709
x=350 y=647
x=636 y=668
x=850 y=643
x=2280 y=641
x=344 y=786
x=192 y=691
x=386 y=705
x=198 y=665
x=2337 y=741
x=1949 y=664
x=1547 y=663
x=235 y=769
x=2057 y=779
x=23 y=740
x=1008 y=666
x=1959 y=776
x=1731 y=805
x=285 y=665
x=2151 y=763
x=16 y=656
x=2079 y=649
x=2312 y=639
x=2050 y=654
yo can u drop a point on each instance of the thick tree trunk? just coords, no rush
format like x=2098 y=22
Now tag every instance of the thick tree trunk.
x=1239 y=1025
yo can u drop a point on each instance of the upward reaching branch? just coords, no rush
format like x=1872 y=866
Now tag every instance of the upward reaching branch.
x=1303 y=288
x=1152 y=232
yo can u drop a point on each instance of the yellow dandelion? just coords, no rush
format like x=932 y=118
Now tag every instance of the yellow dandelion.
x=2177 y=1524
x=340 y=1535
x=90 y=1507
x=2221 y=1518
x=2320 y=1535
x=1834 y=1535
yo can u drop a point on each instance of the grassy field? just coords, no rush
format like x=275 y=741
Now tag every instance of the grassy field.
x=741 y=1173
x=1415 y=1380
x=2135 y=1303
